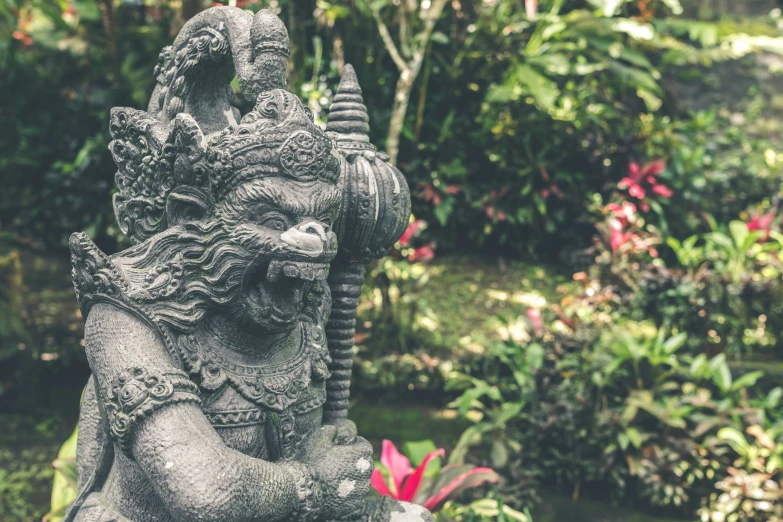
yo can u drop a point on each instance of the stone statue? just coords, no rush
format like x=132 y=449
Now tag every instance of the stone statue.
x=221 y=341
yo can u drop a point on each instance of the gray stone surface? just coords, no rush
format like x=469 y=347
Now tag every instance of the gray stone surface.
x=221 y=342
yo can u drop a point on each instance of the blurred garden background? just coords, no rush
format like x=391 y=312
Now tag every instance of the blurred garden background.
x=588 y=300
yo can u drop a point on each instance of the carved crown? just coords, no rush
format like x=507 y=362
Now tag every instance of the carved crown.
x=277 y=138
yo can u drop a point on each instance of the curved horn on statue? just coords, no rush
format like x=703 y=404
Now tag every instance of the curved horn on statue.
x=194 y=74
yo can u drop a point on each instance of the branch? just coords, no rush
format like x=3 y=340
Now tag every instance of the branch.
x=430 y=17
x=404 y=44
x=388 y=42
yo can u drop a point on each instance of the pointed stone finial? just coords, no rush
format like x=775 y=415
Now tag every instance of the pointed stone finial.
x=348 y=120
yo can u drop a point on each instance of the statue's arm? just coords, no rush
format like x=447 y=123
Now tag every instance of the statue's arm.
x=196 y=475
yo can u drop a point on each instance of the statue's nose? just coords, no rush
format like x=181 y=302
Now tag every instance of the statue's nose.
x=309 y=238
x=313 y=227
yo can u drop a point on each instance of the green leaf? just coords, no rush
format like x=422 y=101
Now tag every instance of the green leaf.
x=739 y=232
x=721 y=373
x=674 y=343
x=608 y=7
x=417 y=450
x=735 y=439
x=635 y=29
x=439 y=37
x=674 y=5
x=87 y=10
x=651 y=101
x=747 y=380
x=634 y=437
x=543 y=90
x=444 y=210
x=469 y=438
x=499 y=454
x=64 y=486
x=720 y=239
x=534 y=356
x=773 y=398
x=503 y=93
x=638 y=78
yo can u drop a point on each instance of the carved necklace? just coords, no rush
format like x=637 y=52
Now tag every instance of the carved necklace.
x=276 y=387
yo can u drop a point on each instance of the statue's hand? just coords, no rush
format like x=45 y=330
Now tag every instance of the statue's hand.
x=345 y=431
x=344 y=470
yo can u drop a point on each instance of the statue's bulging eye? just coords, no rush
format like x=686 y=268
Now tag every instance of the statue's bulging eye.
x=275 y=221
x=325 y=220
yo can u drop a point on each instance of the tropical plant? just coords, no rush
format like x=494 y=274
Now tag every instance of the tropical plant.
x=430 y=484
x=64 y=488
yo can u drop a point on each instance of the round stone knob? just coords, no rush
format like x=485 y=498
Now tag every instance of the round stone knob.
x=376 y=199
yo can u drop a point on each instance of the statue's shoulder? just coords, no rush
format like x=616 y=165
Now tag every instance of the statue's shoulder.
x=99 y=278
x=114 y=295
x=95 y=276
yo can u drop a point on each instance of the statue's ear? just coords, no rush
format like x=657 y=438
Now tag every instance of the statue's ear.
x=186 y=204
x=190 y=147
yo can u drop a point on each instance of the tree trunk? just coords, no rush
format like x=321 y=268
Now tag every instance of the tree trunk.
x=402 y=96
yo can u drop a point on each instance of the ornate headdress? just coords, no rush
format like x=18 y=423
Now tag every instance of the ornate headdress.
x=164 y=153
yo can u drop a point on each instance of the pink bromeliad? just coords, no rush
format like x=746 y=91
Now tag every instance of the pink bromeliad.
x=411 y=485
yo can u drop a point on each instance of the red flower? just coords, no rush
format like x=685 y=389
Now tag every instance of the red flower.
x=423 y=253
x=410 y=231
x=617 y=237
x=405 y=481
x=636 y=176
x=622 y=213
x=534 y=314
x=428 y=193
x=22 y=37
x=762 y=224
x=663 y=191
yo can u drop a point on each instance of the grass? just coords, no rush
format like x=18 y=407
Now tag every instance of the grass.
x=446 y=319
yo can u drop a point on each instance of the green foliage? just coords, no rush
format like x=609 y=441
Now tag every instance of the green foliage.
x=64 y=65
x=64 y=488
x=562 y=102
x=28 y=444
x=631 y=414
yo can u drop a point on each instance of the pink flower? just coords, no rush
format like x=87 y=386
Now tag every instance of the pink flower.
x=762 y=224
x=623 y=213
x=534 y=314
x=406 y=482
x=531 y=8
x=617 y=237
x=648 y=174
x=423 y=253
x=411 y=231
x=22 y=37
x=663 y=191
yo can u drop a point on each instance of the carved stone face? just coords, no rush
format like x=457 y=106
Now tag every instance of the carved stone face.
x=285 y=227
